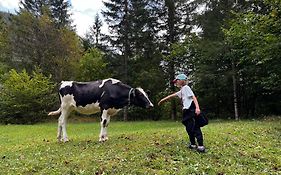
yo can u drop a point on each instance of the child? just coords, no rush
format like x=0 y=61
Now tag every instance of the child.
x=191 y=110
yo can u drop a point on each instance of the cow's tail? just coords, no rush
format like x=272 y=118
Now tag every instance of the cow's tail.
x=57 y=112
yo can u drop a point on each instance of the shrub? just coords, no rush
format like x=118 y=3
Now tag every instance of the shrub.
x=25 y=98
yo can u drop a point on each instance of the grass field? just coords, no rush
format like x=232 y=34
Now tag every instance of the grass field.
x=244 y=147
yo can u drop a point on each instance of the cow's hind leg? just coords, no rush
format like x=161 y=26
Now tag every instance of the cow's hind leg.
x=105 y=118
x=62 y=135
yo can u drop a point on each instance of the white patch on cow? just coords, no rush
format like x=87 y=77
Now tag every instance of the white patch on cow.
x=105 y=118
x=89 y=108
x=67 y=105
x=114 y=81
x=142 y=91
x=66 y=83
x=102 y=94
x=68 y=101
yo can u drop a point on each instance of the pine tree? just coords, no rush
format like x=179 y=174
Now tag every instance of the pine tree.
x=57 y=10
x=117 y=16
x=94 y=36
x=133 y=33
x=3 y=39
x=35 y=7
x=175 y=23
x=60 y=13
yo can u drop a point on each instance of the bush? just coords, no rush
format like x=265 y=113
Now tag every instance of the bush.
x=25 y=98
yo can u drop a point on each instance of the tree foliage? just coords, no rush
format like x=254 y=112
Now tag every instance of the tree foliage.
x=26 y=98
x=37 y=42
x=57 y=10
x=253 y=39
x=60 y=13
x=4 y=41
x=94 y=37
x=93 y=66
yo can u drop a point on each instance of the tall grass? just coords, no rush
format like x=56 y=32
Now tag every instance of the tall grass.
x=244 y=147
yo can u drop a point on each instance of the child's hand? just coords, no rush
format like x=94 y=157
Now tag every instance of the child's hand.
x=197 y=111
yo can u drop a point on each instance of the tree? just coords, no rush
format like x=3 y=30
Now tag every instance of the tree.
x=154 y=26
x=117 y=16
x=175 y=24
x=57 y=10
x=253 y=36
x=93 y=66
x=213 y=67
x=94 y=36
x=225 y=59
x=36 y=41
x=3 y=40
x=60 y=13
x=35 y=7
x=3 y=48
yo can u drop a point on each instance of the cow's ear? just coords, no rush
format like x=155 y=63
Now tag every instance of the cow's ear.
x=148 y=92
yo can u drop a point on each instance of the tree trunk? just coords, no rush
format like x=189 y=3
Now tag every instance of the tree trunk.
x=126 y=55
x=170 y=4
x=235 y=92
x=172 y=88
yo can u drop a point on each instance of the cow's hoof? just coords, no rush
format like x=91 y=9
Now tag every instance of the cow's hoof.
x=103 y=139
x=64 y=140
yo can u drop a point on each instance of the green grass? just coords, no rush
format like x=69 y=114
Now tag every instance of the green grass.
x=244 y=147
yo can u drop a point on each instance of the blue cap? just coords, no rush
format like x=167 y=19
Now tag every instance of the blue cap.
x=180 y=77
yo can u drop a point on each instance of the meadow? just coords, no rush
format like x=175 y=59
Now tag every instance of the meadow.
x=147 y=147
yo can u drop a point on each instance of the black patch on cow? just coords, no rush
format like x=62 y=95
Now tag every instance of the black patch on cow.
x=115 y=96
x=87 y=93
x=140 y=100
x=104 y=123
x=84 y=93
x=67 y=90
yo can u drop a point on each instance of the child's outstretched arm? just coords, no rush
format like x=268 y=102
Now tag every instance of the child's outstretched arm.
x=166 y=98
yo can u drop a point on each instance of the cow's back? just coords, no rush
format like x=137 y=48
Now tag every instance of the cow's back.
x=83 y=93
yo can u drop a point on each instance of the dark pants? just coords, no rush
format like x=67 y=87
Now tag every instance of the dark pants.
x=192 y=129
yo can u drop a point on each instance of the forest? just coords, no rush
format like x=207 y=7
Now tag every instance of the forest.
x=230 y=50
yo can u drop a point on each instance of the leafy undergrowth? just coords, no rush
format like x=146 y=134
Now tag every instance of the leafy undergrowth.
x=244 y=147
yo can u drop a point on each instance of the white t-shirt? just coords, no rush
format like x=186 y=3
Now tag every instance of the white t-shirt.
x=185 y=94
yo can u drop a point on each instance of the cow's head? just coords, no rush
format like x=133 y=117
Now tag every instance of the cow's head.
x=141 y=99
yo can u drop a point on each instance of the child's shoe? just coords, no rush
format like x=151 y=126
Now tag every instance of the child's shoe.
x=201 y=149
x=190 y=146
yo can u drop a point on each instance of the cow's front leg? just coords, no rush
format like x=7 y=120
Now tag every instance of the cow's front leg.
x=104 y=123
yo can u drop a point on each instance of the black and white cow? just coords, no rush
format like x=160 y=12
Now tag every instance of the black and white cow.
x=108 y=96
